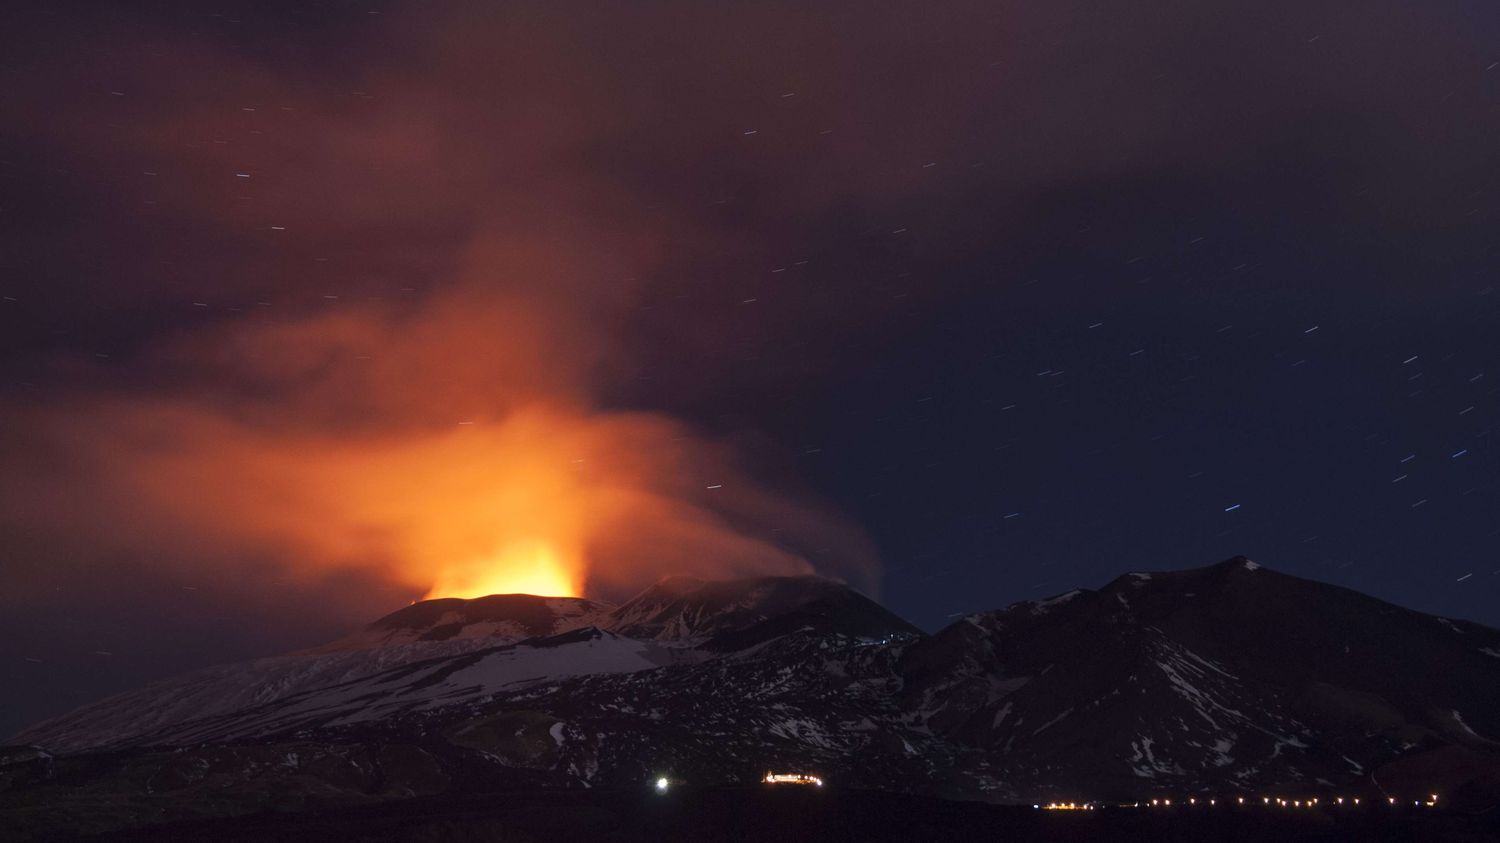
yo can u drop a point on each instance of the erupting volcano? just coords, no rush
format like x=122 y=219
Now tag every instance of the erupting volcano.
x=524 y=567
x=408 y=403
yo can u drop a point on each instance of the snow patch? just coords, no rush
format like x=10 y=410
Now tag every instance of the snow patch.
x=1000 y=716
x=1053 y=721
x=1044 y=605
x=1145 y=764
x=1459 y=719
x=1221 y=748
x=1450 y=625
x=1281 y=741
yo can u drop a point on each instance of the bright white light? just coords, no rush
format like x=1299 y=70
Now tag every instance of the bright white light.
x=662 y=784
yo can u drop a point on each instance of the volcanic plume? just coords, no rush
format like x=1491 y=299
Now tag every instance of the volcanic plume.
x=450 y=447
x=400 y=362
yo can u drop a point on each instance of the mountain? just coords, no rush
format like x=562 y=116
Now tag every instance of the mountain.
x=1231 y=679
x=498 y=618
x=493 y=638
x=731 y=615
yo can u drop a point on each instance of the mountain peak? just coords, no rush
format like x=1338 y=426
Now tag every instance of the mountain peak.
x=740 y=612
x=503 y=617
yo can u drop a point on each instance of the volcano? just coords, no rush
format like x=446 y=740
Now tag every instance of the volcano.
x=1232 y=680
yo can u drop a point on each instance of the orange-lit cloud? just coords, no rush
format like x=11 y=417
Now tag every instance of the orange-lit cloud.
x=419 y=291
x=449 y=448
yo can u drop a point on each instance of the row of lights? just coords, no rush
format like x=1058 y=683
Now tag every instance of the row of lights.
x=663 y=784
x=1281 y=802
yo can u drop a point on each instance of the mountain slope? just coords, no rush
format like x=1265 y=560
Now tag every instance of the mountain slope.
x=221 y=690
x=435 y=683
x=430 y=629
x=729 y=615
x=1232 y=675
x=675 y=617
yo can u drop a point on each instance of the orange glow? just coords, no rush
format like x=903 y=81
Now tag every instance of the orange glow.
x=447 y=452
x=525 y=567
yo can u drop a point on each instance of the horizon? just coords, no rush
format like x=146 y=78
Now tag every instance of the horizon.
x=1238 y=558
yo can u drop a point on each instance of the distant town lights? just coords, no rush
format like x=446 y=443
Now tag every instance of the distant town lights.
x=792 y=778
x=1307 y=803
x=1067 y=806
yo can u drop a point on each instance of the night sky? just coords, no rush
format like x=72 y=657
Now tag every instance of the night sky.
x=966 y=303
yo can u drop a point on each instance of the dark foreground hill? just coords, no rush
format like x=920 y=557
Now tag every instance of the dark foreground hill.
x=1226 y=682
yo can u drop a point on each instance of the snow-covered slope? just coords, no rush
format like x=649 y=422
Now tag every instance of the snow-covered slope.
x=435 y=683
x=220 y=690
x=678 y=613
x=431 y=629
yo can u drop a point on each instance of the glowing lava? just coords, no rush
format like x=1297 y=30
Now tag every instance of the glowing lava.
x=530 y=567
